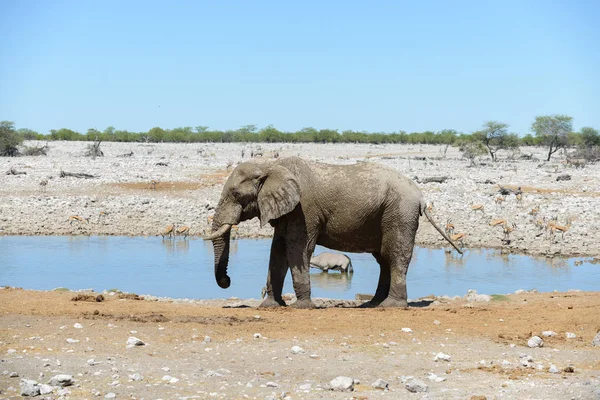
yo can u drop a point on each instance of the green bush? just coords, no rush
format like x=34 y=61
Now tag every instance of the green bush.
x=9 y=139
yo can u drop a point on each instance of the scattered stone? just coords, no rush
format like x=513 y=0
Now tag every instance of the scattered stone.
x=433 y=377
x=92 y=362
x=380 y=384
x=314 y=356
x=569 y=369
x=416 y=386
x=13 y=375
x=110 y=395
x=206 y=339
x=570 y=335
x=46 y=389
x=136 y=377
x=29 y=388
x=553 y=370
x=342 y=384
x=69 y=340
x=535 y=341
x=166 y=369
x=61 y=380
x=297 y=350
x=595 y=341
x=436 y=322
x=473 y=296
x=11 y=351
x=257 y=336
x=272 y=384
x=406 y=330
x=305 y=386
x=442 y=357
x=548 y=334
x=78 y=326
x=170 y=379
x=133 y=341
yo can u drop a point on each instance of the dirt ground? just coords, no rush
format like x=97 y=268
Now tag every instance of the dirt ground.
x=249 y=354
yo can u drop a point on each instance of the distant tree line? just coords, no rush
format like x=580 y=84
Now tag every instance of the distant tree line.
x=553 y=131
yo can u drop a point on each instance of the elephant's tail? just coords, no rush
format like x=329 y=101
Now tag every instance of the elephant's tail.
x=424 y=211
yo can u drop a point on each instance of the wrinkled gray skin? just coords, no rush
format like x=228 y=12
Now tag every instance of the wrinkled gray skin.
x=352 y=208
x=332 y=261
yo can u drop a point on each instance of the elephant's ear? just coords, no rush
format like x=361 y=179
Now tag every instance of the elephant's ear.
x=279 y=194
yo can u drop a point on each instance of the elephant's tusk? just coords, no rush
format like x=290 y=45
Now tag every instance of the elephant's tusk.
x=219 y=232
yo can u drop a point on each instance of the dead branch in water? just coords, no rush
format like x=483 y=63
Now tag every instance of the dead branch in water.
x=13 y=171
x=64 y=174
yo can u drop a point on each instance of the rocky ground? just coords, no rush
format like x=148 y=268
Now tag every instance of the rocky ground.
x=190 y=178
x=471 y=348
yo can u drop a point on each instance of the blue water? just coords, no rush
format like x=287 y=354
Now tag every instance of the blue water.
x=184 y=269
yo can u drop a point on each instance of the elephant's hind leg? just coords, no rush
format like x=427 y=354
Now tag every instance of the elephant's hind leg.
x=278 y=268
x=383 y=287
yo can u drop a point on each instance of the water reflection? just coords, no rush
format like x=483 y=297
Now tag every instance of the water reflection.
x=453 y=259
x=334 y=281
x=176 y=246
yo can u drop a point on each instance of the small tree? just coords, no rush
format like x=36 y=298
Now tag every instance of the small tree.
x=495 y=136
x=589 y=137
x=471 y=149
x=9 y=139
x=553 y=131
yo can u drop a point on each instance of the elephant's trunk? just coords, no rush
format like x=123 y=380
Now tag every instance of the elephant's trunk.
x=221 y=249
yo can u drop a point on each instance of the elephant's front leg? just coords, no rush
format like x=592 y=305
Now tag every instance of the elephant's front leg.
x=278 y=268
x=299 y=251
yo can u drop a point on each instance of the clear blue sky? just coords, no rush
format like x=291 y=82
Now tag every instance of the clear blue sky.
x=374 y=66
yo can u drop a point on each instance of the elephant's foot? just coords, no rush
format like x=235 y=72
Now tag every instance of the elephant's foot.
x=304 y=304
x=270 y=302
x=390 y=302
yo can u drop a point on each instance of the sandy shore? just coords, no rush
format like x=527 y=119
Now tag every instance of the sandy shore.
x=452 y=349
x=192 y=176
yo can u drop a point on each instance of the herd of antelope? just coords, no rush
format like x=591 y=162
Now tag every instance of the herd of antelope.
x=549 y=227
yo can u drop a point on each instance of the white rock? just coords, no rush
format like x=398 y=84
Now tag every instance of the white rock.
x=166 y=369
x=472 y=296
x=170 y=379
x=506 y=363
x=305 y=387
x=436 y=322
x=380 y=384
x=570 y=335
x=206 y=339
x=406 y=330
x=110 y=395
x=416 y=386
x=433 y=377
x=297 y=350
x=342 y=384
x=273 y=384
x=13 y=375
x=136 y=377
x=11 y=351
x=61 y=380
x=314 y=356
x=69 y=340
x=548 y=333
x=92 y=362
x=133 y=341
x=553 y=369
x=29 y=388
x=535 y=341
x=442 y=357
x=596 y=340
x=78 y=326
x=46 y=389
x=257 y=336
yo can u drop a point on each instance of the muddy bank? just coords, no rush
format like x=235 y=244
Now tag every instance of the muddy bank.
x=121 y=200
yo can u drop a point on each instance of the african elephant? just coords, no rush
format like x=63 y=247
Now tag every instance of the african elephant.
x=332 y=261
x=363 y=208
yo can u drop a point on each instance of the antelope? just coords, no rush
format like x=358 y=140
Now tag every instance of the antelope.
x=508 y=229
x=449 y=228
x=169 y=230
x=477 y=207
x=550 y=224
x=562 y=228
x=43 y=184
x=153 y=184
x=496 y=222
x=533 y=212
x=77 y=218
x=519 y=197
x=102 y=215
x=499 y=200
x=540 y=224
x=183 y=230
x=459 y=237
